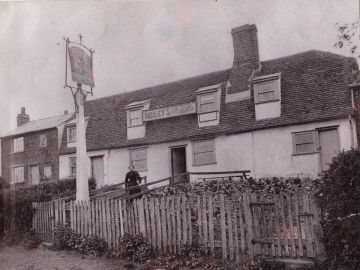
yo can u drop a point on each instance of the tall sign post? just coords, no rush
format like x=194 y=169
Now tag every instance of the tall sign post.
x=81 y=66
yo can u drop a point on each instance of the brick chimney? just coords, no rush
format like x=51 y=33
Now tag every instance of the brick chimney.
x=22 y=117
x=246 y=57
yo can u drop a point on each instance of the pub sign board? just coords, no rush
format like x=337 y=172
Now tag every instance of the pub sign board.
x=168 y=112
x=81 y=66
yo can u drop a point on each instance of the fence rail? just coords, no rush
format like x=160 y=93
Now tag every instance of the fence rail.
x=252 y=224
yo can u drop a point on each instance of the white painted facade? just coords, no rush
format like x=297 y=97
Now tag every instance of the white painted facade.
x=266 y=152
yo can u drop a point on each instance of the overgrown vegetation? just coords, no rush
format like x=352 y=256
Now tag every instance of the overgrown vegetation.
x=339 y=196
x=134 y=249
x=67 y=239
x=28 y=239
x=18 y=201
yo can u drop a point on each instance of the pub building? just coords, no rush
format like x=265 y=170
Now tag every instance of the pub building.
x=281 y=117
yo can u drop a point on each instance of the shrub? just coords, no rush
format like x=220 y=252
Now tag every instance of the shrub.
x=19 y=200
x=67 y=239
x=339 y=196
x=135 y=249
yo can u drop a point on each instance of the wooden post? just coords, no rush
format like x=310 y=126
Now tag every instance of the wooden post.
x=223 y=226
x=249 y=224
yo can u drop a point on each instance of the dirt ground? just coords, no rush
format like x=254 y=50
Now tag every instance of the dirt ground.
x=18 y=258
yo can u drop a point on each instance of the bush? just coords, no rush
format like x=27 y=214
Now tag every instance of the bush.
x=339 y=196
x=29 y=239
x=135 y=249
x=66 y=239
x=19 y=200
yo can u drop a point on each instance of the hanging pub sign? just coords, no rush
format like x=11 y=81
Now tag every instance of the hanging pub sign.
x=168 y=112
x=81 y=66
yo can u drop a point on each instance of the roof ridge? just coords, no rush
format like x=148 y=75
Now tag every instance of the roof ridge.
x=160 y=85
x=303 y=53
x=49 y=117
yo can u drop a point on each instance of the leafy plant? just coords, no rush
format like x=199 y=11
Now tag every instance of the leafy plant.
x=135 y=249
x=67 y=239
x=339 y=196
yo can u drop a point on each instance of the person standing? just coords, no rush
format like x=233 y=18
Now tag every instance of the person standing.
x=132 y=181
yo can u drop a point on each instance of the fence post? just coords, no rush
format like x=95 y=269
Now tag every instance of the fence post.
x=249 y=224
x=317 y=230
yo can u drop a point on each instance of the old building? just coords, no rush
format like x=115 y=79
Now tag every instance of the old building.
x=30 y=153
x=282 y=117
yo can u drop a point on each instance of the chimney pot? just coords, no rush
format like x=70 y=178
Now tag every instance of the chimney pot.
x=65 y=112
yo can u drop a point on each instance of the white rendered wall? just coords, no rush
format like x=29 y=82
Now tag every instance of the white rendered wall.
x=266 y=153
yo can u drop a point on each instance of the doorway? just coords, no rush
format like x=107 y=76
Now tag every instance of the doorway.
x=329 y=146
x=97 y=170
x=34 y=175
x=178 y=163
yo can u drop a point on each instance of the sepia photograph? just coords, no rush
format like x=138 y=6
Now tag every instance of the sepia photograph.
x=177 y=135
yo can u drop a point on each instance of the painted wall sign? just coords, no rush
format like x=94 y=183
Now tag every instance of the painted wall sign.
x=168 y=112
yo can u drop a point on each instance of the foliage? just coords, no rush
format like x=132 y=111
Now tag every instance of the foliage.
x=29 y=239
x=232 y=186
x=66 y=239
x=339 y=196
x=135 y=249
x=19 y=200
x=348 y=35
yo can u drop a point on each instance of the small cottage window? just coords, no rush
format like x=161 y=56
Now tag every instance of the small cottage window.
x=267 y=88
x=18 y=144
x=208 y=104
x=204 y=152
x=304 y=142
x=72 y=169
x=48 y=172
x=17 y=175
x=71 y=133
x=135 y=118
x=138 y=158
x=43 y=140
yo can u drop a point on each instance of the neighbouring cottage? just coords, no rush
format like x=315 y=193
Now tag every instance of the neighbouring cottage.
x=30 y=153
x=282 y=117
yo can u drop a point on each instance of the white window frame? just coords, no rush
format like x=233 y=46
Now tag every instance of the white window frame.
x=260 y=83
x=71 y=133
x=135 y=119
x=71 y=174
x=44 y=169
x=13 y=174
x=314 y=135
x=43 y=140
x=134 y=162
x=18 y=145
x=206 y=115
x=213 y=151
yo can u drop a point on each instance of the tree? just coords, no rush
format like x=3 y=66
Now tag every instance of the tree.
x=349 y=35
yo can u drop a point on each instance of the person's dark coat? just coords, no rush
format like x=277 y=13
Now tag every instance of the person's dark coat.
x=132 y=180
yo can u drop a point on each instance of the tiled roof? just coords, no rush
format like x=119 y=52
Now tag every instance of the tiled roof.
x=314 y=87
x=38 y=125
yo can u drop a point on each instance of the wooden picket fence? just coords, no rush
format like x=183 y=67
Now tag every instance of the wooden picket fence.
x=251 y=224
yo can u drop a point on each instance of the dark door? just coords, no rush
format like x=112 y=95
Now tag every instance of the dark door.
x=178 y=162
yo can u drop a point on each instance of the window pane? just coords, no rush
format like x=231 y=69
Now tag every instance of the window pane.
x=304 y=148
x=204 y=146
x=306 y=137
x=204 y=158
x=266 y=96
x=140 y=165
x=18 y=174
x=207 y=98
x=204 y=117
x=47 y=172
x=209 y=107
x=18 y=144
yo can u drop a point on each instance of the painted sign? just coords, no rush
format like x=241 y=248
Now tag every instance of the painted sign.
x=81 y=66
x=168 y=112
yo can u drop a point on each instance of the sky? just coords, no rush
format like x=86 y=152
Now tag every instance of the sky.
x=144 y=43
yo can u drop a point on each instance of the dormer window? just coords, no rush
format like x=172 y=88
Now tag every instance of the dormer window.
x=267 y=88
x=208 y=105
x=135 y=118
x=267 y=96
x=71 y=134
x=135 y=123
